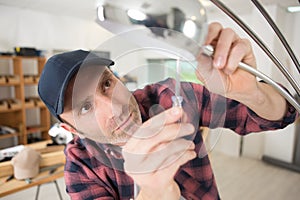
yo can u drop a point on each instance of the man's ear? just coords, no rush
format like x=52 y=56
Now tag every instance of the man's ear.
x=68 y=128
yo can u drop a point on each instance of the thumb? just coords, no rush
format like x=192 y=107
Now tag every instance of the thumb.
x=169 y=116
x=204 y=67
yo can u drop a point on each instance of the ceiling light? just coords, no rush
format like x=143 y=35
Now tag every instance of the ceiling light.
x=206 y=3
x=100 y=12
x=136 y=15
x=189 y=28
x=293 y=9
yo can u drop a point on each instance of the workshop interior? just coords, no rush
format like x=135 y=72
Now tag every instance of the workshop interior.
x=149 y=41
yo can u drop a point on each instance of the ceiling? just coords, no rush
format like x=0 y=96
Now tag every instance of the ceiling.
x=86 y=9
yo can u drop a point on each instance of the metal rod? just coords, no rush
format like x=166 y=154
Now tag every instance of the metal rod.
x=260 y=43
x=177 y=86
x=58 y=190
x=268 y=80
x=278 y=33
x=209 y=51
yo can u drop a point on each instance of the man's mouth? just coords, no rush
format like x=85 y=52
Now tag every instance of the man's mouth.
x=124 y=124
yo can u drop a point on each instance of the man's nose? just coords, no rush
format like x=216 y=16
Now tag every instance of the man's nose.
x=108 y=106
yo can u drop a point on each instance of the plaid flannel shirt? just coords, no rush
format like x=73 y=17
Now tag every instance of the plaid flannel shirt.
x=88 y=178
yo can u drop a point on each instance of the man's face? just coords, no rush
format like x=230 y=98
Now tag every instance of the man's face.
x=100 y=107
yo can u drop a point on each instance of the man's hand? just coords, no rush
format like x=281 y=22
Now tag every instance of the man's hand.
x=221 y=74
x=156 y=151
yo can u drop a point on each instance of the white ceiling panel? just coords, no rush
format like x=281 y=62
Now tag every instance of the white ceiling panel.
x=87 y=8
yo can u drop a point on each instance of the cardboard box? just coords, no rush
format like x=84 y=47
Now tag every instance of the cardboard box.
x=36 y=79
x=13 y=79
x=3 y=105
x=39 y=103
x=14 y=104
x=28 y=79
x=2 y=79
x=29 y=103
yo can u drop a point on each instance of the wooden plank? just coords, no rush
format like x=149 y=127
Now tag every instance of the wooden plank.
x=6 y=169
x=51 y=155
x=53 y=158
x=48 y=159
x=14 y=185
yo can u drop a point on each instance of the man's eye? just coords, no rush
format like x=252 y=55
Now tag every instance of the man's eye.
x=85 y=108
x=107 y=84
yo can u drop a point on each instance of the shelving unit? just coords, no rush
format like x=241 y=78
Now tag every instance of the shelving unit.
x=16 y=116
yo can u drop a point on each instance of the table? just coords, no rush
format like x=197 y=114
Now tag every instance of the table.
x=52 y=158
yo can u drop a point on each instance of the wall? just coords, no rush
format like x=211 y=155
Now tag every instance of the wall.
x=280 y=144
x=28 y=28
x=24 y=27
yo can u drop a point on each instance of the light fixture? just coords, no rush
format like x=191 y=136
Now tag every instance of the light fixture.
x=100 y=13
x=189 y=28
x=206 y=3
x=293 y=9
x=136 y=15
x=195 y=30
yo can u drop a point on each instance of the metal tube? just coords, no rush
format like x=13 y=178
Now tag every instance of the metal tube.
x=209 y=51
x=260 y=43
x=268 y=80
x=278 y=33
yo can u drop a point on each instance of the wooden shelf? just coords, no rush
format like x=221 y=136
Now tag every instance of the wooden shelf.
x=34 y=102
x=9 y=135
x=29 y=81
x=16 y=117
x=28 y=57
x=10 y=110
x=36 y=129
x=9 y=84
x=6 y=57
x=34 y=106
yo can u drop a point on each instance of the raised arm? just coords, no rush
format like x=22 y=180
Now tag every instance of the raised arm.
x=221 y=74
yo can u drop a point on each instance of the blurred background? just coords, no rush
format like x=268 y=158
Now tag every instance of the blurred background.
x=258 y=166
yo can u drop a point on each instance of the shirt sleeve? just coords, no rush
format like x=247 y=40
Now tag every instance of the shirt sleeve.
x=212 y=110
x=81 y=181
x=78 y=186
x=218 y=111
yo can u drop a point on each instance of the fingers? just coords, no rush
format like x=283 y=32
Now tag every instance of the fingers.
x=222 y=49
x=162 y=128
x=158 y=141
x=175 y=153
x=168 y=134
x=169 y=116
x=241 y=51
x=154 y=150
x=214 y=30
x=182 y=151
x=155 y=124
x=179 y=161
x=229 y=48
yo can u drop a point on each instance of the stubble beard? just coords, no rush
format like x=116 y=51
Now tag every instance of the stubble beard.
x=122 y=135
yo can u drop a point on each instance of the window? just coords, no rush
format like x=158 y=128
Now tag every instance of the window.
x=159 y=69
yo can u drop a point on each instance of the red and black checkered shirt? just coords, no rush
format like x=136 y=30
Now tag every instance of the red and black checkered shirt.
x=88 y=177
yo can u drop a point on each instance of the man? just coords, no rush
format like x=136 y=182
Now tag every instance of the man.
x=137 y=146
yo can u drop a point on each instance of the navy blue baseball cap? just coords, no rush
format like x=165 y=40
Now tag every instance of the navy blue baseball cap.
x=58 y=71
